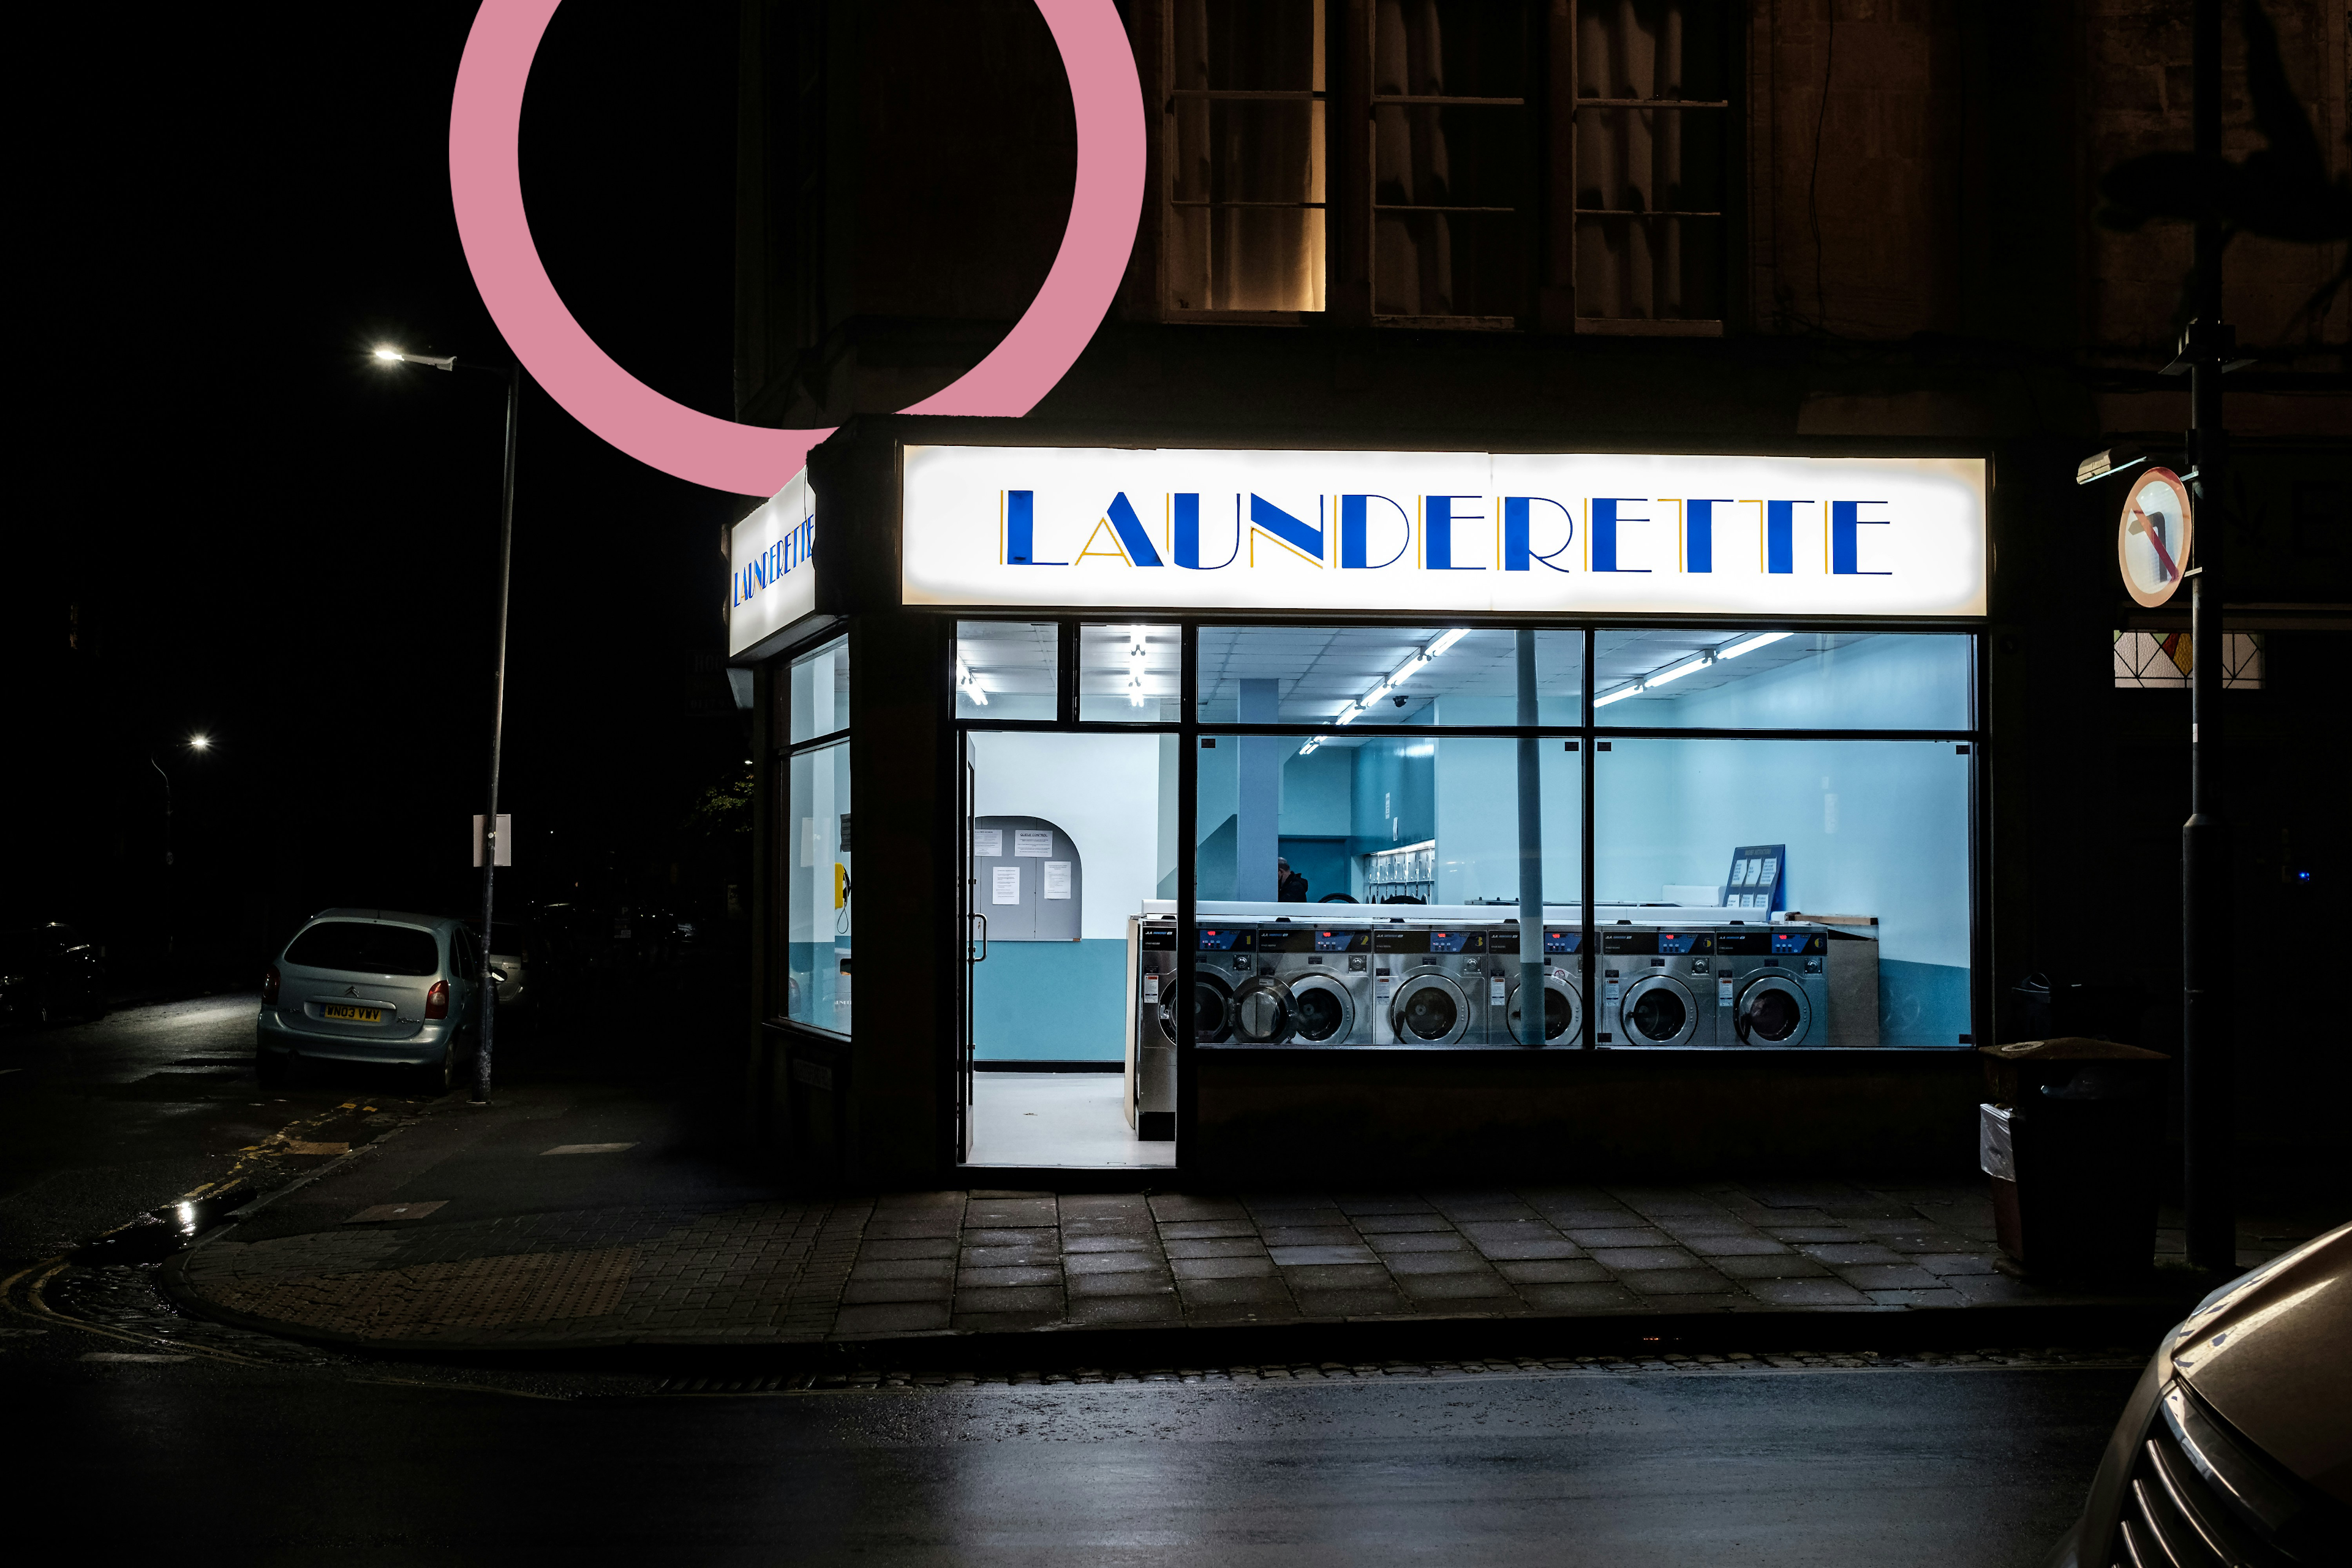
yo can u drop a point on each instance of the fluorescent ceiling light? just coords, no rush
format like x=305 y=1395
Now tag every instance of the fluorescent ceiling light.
x=1631 y=688
x=1350 y=714
x=1749 y=645
x=1676 y=670
x=1448 y=640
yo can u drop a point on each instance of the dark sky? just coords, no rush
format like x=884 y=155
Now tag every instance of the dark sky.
x=272 y=539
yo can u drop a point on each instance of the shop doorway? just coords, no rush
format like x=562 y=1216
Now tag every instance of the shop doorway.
x=1069 y=839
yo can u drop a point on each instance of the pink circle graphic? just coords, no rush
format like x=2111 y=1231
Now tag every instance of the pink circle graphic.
x=486 y=186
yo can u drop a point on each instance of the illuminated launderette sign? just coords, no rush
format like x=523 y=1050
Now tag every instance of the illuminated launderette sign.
x=770 y=561
x=1428 y=532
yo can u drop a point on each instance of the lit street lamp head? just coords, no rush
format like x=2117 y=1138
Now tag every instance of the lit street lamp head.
x=200 y=742
x=391 y=355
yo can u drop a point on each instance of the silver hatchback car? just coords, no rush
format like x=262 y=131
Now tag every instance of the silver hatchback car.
x=372 y=985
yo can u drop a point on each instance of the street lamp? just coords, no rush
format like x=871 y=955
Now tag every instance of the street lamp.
x=170 y=922
x=388 y=354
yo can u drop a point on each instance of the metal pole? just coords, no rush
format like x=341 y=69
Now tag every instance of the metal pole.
x=1532 y=927
x=171 y=923
x=497 y=734
x=2205 y=1025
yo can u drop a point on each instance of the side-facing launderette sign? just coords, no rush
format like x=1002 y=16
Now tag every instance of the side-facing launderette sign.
x=771 y=581
x=1421 y=532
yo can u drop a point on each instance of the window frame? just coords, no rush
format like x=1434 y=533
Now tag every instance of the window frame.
x=783 y=751
x=1548 y=213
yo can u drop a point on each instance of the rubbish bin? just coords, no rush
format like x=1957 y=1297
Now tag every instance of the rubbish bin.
x=2069 y=1142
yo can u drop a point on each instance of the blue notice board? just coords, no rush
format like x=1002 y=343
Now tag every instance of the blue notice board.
x=1759 y=873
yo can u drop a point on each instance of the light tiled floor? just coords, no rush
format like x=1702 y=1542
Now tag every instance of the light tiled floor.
x=1066 y=1119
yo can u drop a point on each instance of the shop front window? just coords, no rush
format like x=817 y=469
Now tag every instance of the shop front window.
x=1128 y=674
x=1007 y=670
x=815 y=846
x=1843 y=864
x=1707 y=680
x=1385 y=675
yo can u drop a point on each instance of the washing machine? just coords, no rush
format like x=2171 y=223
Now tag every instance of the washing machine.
x=1431 y=983
x=1656 y=987
x=1563 y=1006
x=1773 y=985
x=1313 y=985
x=1226 y=964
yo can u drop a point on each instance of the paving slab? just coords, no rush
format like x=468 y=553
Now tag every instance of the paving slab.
x=539 y=1254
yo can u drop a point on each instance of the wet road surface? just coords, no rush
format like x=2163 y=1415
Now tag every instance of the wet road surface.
x=1880 y=1467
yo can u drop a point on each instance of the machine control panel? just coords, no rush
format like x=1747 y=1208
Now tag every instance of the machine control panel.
x=1428 y=940
x=1781 y=942
x=1159 y=939
x=1343 y=942
x=1227 y=939
x=1563 y=941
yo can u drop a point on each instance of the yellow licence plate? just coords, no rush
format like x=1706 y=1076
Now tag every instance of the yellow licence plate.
x=354 y=1015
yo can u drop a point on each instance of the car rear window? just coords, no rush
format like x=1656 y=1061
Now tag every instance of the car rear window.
x=357 y=947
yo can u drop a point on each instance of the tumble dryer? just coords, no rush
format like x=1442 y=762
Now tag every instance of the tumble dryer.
x=1656 y=987
x=1774 y=985
x=1563 y=1006
x=1226 y=962
x=1433 y=983
x=1313 y=986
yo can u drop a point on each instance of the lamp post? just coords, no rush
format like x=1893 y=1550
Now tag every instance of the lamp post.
x=513 y=374
x=170 y=910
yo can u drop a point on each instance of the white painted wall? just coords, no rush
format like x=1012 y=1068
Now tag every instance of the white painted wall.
x=1101 y=789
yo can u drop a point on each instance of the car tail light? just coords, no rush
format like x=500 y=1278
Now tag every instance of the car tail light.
x=436 y=1001
x=270 y=986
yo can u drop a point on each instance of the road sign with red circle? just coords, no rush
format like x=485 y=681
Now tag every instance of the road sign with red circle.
x=2154 y=536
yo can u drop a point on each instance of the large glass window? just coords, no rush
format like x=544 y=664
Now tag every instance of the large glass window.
x=819 y=700
x=813 y=841
x=1384 y=675
x=1128 y=674
x=1862 y=843
x=1702 y=680
x=1007 y=669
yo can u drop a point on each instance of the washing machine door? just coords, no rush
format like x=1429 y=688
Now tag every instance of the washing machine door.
x=1263 y=1010
x=1213 y=1008
x=1771 y=1010
x=1322 y=1012
x=1429 y=1009
x=1563 y=1017
x=1658 y=1010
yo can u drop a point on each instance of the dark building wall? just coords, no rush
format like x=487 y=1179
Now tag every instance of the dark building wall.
x=908 y=170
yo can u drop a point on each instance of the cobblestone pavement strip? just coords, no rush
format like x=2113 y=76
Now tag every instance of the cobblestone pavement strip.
x=984 y=1261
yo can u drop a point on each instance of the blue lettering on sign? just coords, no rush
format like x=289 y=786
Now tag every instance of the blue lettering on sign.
x=1780 y=536
x=1844 y=541
x=1603 y=537
x=1129 y=529
x=1355 y=524
x=1269 y=518
x=775 y=563
x=1698 y=532
x=1437 y=519
x=1187 y=513
x=1517 y=526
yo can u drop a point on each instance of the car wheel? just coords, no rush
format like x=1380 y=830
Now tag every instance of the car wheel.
x=269 y=1068
x=437 y=1077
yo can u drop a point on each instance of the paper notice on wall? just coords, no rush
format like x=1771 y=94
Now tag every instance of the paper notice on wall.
x=1057 y=880
x=987 y=843
x=1007 y=885
x=1033 y=843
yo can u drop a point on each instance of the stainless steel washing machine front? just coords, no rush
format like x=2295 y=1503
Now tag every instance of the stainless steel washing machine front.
x=1227 y=962
x=1313 y=986
x=1563 y=1006
x=1655 y=988
x=1436 y=982
x=1774 y=986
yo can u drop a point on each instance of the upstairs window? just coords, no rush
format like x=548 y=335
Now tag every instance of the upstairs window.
x=1461 y=164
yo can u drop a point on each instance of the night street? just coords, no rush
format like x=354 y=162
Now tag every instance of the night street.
x=1958 y=1467
x=1191 y=782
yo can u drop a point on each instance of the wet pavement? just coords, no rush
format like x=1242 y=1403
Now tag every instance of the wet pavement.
x=1960 y=1465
